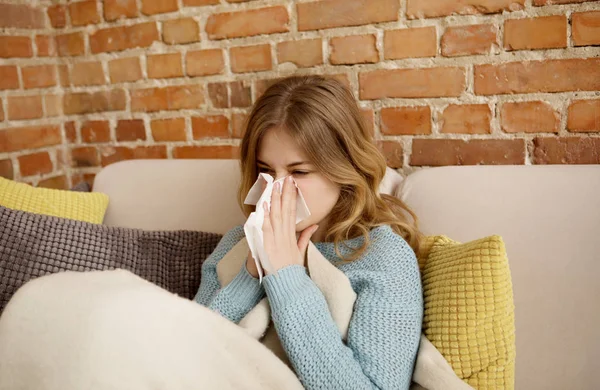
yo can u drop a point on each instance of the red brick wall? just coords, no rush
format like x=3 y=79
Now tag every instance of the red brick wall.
x=84 y=84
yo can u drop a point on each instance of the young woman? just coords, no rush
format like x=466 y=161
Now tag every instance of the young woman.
x=310 y=128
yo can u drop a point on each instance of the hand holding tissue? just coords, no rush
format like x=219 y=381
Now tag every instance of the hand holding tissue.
x=253 y=228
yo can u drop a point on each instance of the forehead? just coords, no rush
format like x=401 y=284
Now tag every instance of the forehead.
x=278 y=147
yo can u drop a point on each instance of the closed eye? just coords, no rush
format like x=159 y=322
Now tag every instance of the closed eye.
x=266 y=170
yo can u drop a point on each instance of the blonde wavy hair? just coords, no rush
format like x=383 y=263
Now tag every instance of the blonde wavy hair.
x=322 y=116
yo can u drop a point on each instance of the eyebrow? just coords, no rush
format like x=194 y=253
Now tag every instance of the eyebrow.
x=289 y=165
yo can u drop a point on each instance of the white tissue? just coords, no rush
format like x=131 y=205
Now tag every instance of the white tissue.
x=253 y=226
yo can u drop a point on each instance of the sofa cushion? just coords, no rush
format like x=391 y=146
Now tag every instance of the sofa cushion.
x=81 y=206
x=32 y=245
x=469 y=309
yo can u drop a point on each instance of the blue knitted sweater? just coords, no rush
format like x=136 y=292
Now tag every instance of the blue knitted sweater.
x=384 y=331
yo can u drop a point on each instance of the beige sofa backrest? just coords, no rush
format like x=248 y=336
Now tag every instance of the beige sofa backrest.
x=549 y=217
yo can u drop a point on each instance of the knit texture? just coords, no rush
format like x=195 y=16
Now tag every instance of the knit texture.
x=384 y=331
x=469 y=309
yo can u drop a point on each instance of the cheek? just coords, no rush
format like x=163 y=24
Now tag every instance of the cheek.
x=319 y=195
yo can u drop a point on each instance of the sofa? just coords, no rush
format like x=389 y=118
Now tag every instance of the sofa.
x=549 y=217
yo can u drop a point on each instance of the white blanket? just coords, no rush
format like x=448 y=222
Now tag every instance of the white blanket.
x=113 y=330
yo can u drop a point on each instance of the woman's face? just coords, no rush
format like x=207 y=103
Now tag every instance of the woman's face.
x=276 y=152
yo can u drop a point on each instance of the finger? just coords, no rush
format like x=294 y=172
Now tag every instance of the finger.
x=275 y=211
x=266 y=227
x=288 y=208
x=305 y=238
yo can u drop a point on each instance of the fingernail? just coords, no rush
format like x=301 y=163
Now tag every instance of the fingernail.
x=289 y=179
x=277 y=187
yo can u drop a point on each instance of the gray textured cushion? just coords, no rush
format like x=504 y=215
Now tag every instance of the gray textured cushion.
x=33 y=245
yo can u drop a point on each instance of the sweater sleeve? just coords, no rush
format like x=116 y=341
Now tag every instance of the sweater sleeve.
x=384 y=331
x=236 y=299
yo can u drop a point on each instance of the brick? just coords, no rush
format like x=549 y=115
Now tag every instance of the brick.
x=53 y=105
x=95 y=132
x=406 y=120
x=469 y=40
x=24 y=107
x=178 y=31
x=9 y=77
x=57 y=183
x=197 y=3
x=410 y=43
x=304 y=53
x=529 y=117
x=64 y=77
x=113 y=154
x=317 y=15
x=261 y=86
x=36 y=163
x=412 y=83
x=268 y=20
x=432 y=9
x=355 y=49
x=210 y=126
x=212 y=152
x=167 y=98
x=87 y=73
x=6 y=169
x=204 y=62
x=117 y=9
x=1 y=111
x=568 y=150
x=83 y=157
x=238 y=124
x=171 y=129
x=123 y=70
x=57 y=15
x=545 y=32
x=70 y=44
x=466 y=119
x=440 y=152
x=584 y=115
x=14 y=139
x=538 y=76
x=84 y=12
x=240 y=94
x=15 y=46
x=70 y=132
x=46 y=46
x=250 y=58
x=164 y=65
x=368 y=120
x=130 y=130
x=88 y=102
x=124 y=37
x=152 y=7
x=586 y=28
x=550 y=2
x=393 y=153
x=21 y=16
x=219 y=95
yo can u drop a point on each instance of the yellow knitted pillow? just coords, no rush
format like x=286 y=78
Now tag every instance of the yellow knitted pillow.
x=469 y=309
x=81 y=206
